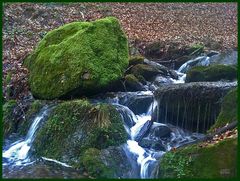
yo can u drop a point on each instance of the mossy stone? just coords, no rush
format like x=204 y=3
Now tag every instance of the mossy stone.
x=147 y=71
x=79 y=58
x=134 y=60
x=211 y=73
x=75 y=126
x=92 y=162
x=213 y=161
x=228 y=112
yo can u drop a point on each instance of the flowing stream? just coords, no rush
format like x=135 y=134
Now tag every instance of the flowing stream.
x=148 y=139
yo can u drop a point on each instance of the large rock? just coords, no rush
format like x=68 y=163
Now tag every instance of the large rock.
x=193 y=106
x=80 y=58
x=75 y=126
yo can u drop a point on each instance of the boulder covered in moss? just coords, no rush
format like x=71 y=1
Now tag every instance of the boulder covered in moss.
x=212 y=73
x=79 y=58
x=212 y=161
x=75 y=126
x=228 y=112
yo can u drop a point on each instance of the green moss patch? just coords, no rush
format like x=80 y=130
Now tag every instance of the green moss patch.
x=9 y=121
x=214 y=161
x=136 y=60
x=75 y=126
x=211 y=73
x=79 y=58
x=228 y=112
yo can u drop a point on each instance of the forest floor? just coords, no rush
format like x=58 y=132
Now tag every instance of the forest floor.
x=24 y=25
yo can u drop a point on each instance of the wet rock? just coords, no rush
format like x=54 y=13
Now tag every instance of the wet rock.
x=152 y=144
x=227 y=58
x=160 y=132
x=147 y=71
x=133 y=84
x=192 y=106
x=144 y=130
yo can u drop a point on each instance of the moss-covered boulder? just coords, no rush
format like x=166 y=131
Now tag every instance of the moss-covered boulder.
x=213 y=161
x=80 y=58
x=75 y=126
x=228 y=112
x=211 y=73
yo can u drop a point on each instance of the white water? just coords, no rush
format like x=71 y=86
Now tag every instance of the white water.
x=203 y=61
x=58 y=162
x=18 y=151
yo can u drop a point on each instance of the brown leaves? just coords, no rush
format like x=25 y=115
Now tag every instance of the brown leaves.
x=217 y=138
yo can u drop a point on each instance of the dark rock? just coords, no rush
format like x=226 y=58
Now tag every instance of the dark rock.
x=152 y=144
x=147 y=71
x=212 y=53
x=133 y=84
x=191 y=106
x=160 y=132
x=144 y=130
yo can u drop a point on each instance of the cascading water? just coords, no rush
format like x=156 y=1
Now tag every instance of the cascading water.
x=18 y=151
x=138 y=127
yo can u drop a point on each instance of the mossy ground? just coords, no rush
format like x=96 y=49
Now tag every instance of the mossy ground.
x=211 y=73
x=8 y=121
x=75 y=126
x=83 y=57
x=228 y=112
x=214 y=161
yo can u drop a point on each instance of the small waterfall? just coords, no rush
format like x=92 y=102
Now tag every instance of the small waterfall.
x=18 y=151
x=203 y=61
x=147 y=158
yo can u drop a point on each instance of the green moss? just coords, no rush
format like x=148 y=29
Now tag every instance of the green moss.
x=211 y=73
x=131 y=78
x=75 y=126
x=228 y=112
x=83 y=57
x=214 y=161
x=136 y=60
x=9 y=121
x=92 y=162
